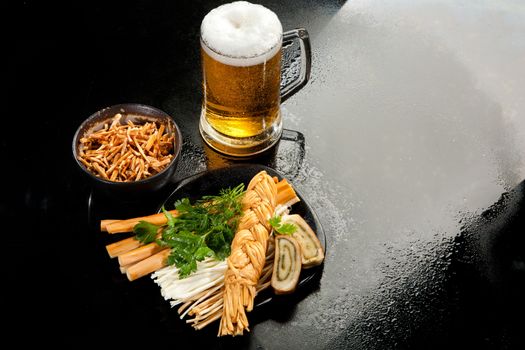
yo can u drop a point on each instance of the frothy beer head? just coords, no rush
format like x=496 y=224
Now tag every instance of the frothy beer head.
x=241 y=34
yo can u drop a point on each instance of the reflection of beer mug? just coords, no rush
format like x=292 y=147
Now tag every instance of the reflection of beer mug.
x=241 y=46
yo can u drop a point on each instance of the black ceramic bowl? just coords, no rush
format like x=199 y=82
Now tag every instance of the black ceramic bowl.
x=138 y=114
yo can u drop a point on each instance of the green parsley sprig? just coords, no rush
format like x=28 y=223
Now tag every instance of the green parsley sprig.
x=282 y=228
x=203 y=229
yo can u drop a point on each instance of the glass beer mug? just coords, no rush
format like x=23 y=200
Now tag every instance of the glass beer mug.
x=241 y=50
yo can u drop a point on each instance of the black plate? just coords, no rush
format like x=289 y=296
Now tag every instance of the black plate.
x=212 y=181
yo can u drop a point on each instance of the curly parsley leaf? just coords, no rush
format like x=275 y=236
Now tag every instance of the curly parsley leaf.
x=145 y=232
x=171 y=219
x=183 y=205
x=282 y=228
x=203 y=252
x=218 y=243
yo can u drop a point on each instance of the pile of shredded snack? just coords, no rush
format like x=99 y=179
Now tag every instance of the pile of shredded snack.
x=216 y=270
x=126 y=152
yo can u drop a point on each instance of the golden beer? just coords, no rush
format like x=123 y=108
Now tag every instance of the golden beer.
x=241 y=101
x=241 y=67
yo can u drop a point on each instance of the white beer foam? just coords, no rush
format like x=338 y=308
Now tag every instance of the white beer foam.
x=241 y=34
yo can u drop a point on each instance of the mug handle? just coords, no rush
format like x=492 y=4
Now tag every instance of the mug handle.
x=306 y=61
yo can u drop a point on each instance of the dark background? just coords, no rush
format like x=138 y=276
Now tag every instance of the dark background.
x=67 y=61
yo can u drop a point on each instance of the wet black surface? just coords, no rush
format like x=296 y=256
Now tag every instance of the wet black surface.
x=408 y=142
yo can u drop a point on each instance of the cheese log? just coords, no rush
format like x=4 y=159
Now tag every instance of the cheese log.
x=287 y=265
x=312 y=253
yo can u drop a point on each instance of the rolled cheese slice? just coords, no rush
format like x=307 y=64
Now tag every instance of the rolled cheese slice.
x=287 y=265
x=312 y=253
